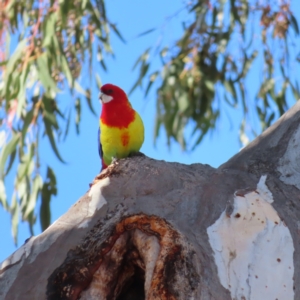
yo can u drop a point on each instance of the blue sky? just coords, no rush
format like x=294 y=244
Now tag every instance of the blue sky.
x=80 y=152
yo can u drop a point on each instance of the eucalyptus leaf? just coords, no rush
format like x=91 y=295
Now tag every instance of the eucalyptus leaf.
x=3 y=197
x=7 y=150
x=36 y=189
x=45 y=54
x=44 y=74
x=49 y=132
x=78 y=114
x=14 y=209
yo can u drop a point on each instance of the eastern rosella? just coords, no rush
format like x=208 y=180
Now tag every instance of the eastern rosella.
x=121 y=129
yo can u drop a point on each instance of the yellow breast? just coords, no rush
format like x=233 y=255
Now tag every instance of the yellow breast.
x=119 y=143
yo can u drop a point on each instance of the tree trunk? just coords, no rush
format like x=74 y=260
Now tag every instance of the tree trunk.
x=148 y=229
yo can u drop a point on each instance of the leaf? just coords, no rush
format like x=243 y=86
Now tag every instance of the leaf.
x=68 y=124
x=228 y=100
x=229 y=86
x=23 y=189
x=195 y=7
x=14 y=210
x=49 y=189
x=83 y=4
x=100 y=59
x=294 y=24
x=3 y=197
x=152 y=77
x=234 y=11
x=22 y=90
x=11 y=161
x=79 y=89
x=248 y=62
x=36 y=189
x=296 y=92
x=12 y=88
x=98 y=81
x=49 y=133
x=67 y=71
x=141 y=58
x=14 y=58
x=3 y=63
x=143 y=72
x=26 y=122
x=44 y=75
x=210 y=85
x=158 y=124
x=163 y=53
x=270 y=119
x=214 y=18
x=31 y=221
x=45 y=213
x=7 y=150
x=183 y=102
x=49 y=28
x=78 y=114
x=25 y=168
x=146 y=32
x=89 y=101
x=242 y=90
x=114 y=28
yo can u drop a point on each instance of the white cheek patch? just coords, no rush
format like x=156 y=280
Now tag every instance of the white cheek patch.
x=106 y=98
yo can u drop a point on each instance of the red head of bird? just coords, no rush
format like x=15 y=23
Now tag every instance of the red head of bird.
x=116 y=109
x=112 y=95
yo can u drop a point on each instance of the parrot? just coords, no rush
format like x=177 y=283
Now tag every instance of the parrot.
x=121 y=129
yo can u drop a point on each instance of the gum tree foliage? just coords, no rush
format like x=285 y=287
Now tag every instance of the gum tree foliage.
x=202 y=72
x=206 y=69
x=43 y=47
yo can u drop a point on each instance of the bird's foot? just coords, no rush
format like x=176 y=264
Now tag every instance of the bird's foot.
x=114 y=160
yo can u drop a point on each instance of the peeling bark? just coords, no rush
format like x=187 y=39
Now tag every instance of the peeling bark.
x=152 y=230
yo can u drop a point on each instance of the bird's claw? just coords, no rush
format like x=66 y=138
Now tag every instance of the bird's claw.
x=114 y=160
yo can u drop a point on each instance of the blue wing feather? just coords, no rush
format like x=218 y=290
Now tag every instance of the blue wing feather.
x=99 y=145
x=100 y=151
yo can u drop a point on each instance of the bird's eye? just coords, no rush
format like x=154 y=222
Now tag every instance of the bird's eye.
x=109 y=91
